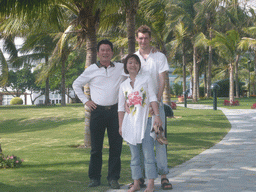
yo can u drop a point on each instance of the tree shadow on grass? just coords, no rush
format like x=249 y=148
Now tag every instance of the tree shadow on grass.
x=30 y=125
x=212 y=122
x=65 y=176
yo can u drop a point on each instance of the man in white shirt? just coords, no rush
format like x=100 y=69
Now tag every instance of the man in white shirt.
x=104 y=79
x=156 y=65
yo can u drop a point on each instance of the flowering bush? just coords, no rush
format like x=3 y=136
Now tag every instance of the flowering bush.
x=189 y=97
x=10 y=161
x=173 y=105
x=180 y=96
x=253 y=106
x=228 y=103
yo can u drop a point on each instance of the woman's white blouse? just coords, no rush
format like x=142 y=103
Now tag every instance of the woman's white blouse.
x=138 y=98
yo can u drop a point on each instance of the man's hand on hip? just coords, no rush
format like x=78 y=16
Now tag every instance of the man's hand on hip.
x=91 y=105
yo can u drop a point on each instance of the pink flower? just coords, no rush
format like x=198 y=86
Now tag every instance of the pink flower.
x=134 y=98
x=22 y=160
x=16 y=161
x=11 y=157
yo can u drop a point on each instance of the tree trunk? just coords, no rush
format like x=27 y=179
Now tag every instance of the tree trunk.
x=205 y=80
x=47 y=86
x=231 y=84
x=91 y=57
x=209 y=76
x=236 y=77
x=195 y=74
x=130 y=22
x=254 y=81
x=63 y=87
x=184 y=69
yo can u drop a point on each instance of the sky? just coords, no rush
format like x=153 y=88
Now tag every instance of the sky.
x=251 y=3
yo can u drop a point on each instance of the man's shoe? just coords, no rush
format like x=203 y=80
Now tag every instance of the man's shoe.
x=94 y=183
x=114 y=184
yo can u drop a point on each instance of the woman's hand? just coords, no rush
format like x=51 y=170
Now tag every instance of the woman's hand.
x=120 y=130
x=157 y=123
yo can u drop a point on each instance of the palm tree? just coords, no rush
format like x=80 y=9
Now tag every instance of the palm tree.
x=227 y=46
x=86 y=18
x=9 y=47
x=205 y=18
x=249 y=44
x=3 y=69
x=181 y=37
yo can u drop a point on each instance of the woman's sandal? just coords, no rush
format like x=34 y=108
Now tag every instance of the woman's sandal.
x=159 y=136
x=166 y=186
x=142 y=183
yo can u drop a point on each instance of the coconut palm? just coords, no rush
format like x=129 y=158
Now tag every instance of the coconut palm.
x=181 y=37
x=3 y=69
x=249 y=44
x=205 y=18
x=227 y=47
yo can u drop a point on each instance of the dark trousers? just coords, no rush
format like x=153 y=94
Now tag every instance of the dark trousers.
x=102 y=118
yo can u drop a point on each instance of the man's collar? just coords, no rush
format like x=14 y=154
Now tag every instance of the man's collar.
x=100 y=65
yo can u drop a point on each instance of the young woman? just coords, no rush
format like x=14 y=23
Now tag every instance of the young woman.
x=135 y=127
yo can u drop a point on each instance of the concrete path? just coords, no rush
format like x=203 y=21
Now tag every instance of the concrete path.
x=229 y=166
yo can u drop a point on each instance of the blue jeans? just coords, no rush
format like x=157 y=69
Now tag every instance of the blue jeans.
x=147 y=147
x=161 y=155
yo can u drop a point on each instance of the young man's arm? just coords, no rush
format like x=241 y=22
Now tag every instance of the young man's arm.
x=161 y=85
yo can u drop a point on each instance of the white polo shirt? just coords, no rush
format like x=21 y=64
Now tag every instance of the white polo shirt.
x=104 y=84
x=155 y=64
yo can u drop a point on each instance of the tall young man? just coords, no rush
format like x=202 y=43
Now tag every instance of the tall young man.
x=156 y=65
x=104 y=79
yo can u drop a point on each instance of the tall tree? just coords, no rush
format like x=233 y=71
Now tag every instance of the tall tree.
x=205 y=18
x=181 y=37
x=227 y=46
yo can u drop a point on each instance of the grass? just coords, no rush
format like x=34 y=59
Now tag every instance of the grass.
x=245 y=102
x=46 y=138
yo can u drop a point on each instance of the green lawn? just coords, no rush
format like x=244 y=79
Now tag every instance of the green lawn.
x=46 y=138
x=245 y=102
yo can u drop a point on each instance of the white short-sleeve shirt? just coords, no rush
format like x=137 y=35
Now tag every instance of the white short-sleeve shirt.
x=155 y=64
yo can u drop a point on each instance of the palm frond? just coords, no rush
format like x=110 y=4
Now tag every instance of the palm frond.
x=3 y=69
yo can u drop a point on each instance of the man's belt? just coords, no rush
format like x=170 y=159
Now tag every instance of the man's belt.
x=109 y=107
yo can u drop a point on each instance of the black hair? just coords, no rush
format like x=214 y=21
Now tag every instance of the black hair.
x=126 y=60
x=104 y=41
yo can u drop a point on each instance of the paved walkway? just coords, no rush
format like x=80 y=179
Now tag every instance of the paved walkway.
x=229 y=166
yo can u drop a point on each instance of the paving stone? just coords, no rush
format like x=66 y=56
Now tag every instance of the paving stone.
x=229 y=166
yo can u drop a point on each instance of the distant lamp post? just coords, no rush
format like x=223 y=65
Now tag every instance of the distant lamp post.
x=249 y=66
x=215 y=87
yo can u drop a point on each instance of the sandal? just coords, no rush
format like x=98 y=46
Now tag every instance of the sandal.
x=159 y=136
x=166 y=186
x=142 y=185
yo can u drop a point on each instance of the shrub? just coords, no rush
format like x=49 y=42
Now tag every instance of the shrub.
x=223 y=91
x=173 y=105
x=16 y=101
x=190 y=97
x=253 y=106
x=10 y=161
x=177 y=89
x=228 y=103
